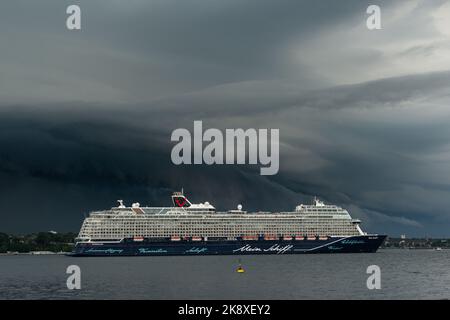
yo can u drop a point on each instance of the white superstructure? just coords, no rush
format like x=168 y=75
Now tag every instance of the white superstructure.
x=201 y=220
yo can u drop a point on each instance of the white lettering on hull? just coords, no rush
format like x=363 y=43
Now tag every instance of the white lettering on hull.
x=275 y=248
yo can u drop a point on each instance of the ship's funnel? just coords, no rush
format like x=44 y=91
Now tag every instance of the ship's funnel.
x=179 y=200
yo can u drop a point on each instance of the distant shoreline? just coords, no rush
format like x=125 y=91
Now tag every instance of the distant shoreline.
x=33 y=253
x=37 y=243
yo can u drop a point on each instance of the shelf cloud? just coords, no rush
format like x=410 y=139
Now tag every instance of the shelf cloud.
x=86 y=116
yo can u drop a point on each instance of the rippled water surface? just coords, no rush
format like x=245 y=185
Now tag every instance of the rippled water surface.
x=405 y=274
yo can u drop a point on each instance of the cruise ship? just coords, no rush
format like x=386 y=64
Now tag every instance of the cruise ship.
x=198 y=229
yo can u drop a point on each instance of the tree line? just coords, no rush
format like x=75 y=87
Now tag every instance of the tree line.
x=41 y=241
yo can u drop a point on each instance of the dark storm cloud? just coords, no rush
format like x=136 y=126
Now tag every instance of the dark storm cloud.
x=142 y=50
x=367 y=161
x=86 y=118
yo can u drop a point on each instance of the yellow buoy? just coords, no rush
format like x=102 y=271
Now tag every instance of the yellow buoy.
x=239 y=268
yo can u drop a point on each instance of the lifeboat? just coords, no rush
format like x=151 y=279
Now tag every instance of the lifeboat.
x=138 y=239
x=196 y=239
x=249 y=237
x=175 y=238
x=270 y=237
x=323 y=238
x=299 y=237
x=311 y=238
x=287 y=238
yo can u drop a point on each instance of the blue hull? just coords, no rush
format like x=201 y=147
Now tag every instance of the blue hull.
x=354 y=244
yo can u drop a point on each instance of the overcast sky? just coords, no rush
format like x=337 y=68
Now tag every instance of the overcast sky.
x=364 y=115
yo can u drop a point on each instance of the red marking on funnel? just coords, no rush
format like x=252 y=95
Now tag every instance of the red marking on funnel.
x=180 y=202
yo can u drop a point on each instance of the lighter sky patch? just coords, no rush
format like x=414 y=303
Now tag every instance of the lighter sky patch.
x=415 y=38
